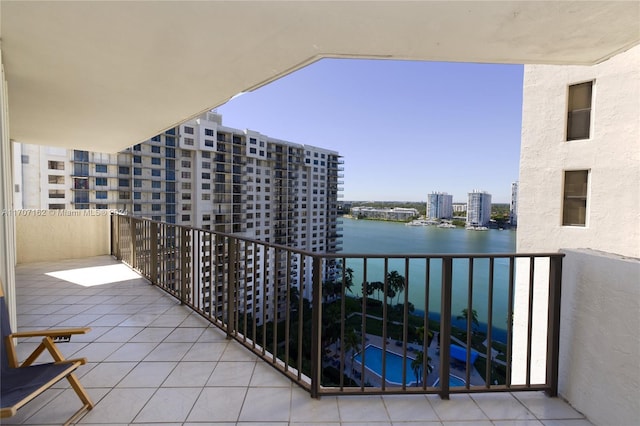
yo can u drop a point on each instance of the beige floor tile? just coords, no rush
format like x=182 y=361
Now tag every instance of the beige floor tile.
x=458 y=408
x=120 y=334
x=169 y=320
x=131 y=352
x=502 y=406
x=169 y=405
x=266 y=404
x=567 y=422
x=97 y=352
x=107 y=374
x=369 y=408
x=119 y=406
x=168 y=352
x=231 y=374
x=306 y=409
x=184 y=334
x=266 y=376
x=147 y=375
x=206 y=351
x=152 y=334
x=218 y=405
x=409 y=408
x=190 y=374
x=544 y=407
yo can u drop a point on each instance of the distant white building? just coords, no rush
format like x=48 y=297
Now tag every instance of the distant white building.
x=513 y=211
x=395 y=213
x=479 y=208
x=459 y=207
x=439 y=205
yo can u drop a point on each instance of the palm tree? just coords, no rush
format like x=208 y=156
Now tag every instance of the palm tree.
x=418 y=364
x=352 y=343
x=348 y=279
x=474 y=319
x=396 y=283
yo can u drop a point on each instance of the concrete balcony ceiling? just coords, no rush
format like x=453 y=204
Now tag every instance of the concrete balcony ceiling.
x=105 y=75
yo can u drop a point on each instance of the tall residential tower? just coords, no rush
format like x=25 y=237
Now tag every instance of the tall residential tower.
x=478 y=209
x=439 y=205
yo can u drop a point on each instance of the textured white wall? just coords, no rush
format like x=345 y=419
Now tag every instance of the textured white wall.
x=599 y=336
x=612 y=154
x=599 y=352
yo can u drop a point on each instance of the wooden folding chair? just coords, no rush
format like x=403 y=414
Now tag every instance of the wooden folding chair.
x=22 y=382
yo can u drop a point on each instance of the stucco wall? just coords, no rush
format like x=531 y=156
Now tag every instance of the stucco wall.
x=599 y=353
x=600 y=336
x=46 y=235
x=612 y=154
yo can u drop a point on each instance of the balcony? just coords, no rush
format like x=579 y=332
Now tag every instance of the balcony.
x=152 y=360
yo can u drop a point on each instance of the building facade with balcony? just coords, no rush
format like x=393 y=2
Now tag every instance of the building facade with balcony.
x=205 y=175
x=439 y=205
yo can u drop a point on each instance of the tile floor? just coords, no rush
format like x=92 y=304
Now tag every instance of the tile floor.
x=152 y=361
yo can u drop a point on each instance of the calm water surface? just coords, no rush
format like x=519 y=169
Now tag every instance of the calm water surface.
x=376 y=237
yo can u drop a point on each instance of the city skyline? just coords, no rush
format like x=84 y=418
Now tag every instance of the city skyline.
x=402 y=126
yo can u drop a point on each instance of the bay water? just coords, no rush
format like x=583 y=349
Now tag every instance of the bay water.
x=378 y=237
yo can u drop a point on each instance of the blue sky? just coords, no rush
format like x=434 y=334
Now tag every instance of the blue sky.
x=404 y=128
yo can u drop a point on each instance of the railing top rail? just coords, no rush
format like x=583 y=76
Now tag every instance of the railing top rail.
x=359 y=255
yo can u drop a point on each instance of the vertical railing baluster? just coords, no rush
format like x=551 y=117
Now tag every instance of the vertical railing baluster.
x=467 y=361
x=509 y=366
x=363 y=332
x=445 y=326
x=385 y=322
x=425 y=324
x=343 y=319
x=275 y=302
x=553 y=336
x=301 y=299
x=153 y=246
x=316 y=327
x=489 y=352
x=287 y=315
x=183 y=265
x=405 y=324
x=231 y=286
x=530 y=318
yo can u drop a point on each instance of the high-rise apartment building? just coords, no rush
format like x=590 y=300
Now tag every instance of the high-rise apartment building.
x=200 y=174
x=478 y=209
x=513 y=210
x=439 y=205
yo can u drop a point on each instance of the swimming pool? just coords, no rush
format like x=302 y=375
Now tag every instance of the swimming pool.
x=453 y=381
x=373 y=362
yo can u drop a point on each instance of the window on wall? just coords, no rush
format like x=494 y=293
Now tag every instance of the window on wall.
x=574 y=208
x=579 y=111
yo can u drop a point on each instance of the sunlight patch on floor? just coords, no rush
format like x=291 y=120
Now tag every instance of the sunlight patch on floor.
x=97 y=275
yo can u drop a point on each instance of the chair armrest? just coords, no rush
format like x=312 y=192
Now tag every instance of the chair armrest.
x=54 y=332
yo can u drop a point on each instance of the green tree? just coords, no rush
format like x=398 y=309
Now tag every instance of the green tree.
x=351 y=344
x=418 y=364
x=348 y=279
x=396 y=283
x=475 y=324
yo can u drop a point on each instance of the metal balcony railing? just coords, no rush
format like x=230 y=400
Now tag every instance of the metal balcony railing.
x=362 y=332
